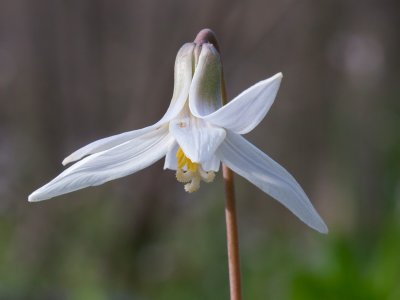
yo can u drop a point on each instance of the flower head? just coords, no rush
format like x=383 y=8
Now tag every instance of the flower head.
x=195 y=135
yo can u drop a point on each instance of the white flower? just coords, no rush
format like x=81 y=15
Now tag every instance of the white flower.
x=196 y=133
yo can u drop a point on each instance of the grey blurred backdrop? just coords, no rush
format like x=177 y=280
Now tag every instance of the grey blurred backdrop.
x=75 y=71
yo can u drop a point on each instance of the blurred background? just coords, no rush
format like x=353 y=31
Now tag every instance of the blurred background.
x=75 y=71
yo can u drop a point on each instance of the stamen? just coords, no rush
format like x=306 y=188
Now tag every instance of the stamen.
x=191 y=166
x=194 y=173
x=181 y=158
x=181 y=162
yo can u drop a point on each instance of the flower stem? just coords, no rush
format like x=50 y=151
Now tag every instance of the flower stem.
x=208 y=36
x=232 y=235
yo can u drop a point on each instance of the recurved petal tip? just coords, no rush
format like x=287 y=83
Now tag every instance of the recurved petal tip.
x=258 y=168
x=247 y=110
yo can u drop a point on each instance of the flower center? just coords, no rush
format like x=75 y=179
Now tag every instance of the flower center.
x=183 y=161
x=193 y=174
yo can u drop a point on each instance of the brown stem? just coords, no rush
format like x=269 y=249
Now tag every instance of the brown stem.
x=232 y=235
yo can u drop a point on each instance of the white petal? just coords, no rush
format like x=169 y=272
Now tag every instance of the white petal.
x=211 y=164
x=183 y=77
x=170 y=158
x=171 y=162
x=205 y=94
x=197 y=139
x=106 y=143
x=101 y=167
x=248 y=109
x=184 y=64
x=248 y=161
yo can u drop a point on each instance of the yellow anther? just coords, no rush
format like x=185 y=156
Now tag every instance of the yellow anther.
x=183 y=160
x=179 y=153
x=191 y=166
x=193 y=175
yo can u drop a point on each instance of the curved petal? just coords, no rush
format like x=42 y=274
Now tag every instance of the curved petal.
x=211 y=164
x=182 y=80
x=184 y=64
x=248 y=161
x=170 y=158
x=205 y=94
x=101 y=167
x=106 y=143
x=248 y=109
x=197 y=139
x=172 y=164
